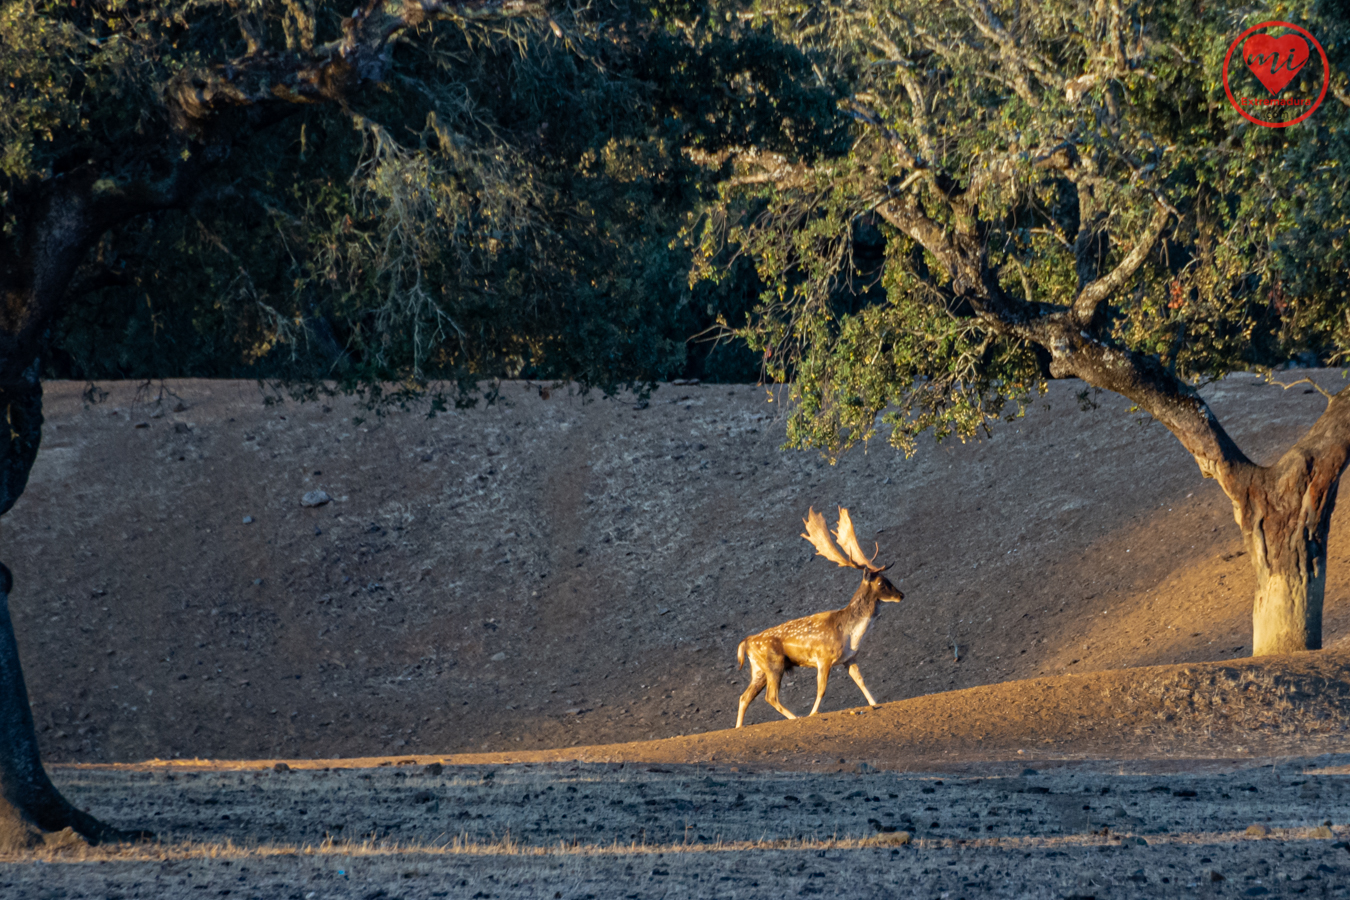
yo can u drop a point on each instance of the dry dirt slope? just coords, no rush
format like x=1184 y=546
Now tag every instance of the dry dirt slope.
x=555 y=572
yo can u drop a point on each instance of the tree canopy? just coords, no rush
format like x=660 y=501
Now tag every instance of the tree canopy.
x=1027 y=174
x=1042 y=189
x=403 y=193
x=499 y=190
x=933 y=208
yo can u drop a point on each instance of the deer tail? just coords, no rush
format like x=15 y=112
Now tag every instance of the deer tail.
x=740 y=656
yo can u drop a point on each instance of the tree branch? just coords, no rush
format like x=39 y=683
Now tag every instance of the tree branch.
x=966 y=264
x=1308 y=381
x=1088 y=304
x=329 y=72
x=1022 y=63
x=754 y=166
x=905 y=156
x=1327 y=443
x=905 y=215
x=1148 y=383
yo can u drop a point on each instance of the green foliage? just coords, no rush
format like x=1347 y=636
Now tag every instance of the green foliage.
x=1048 y=134
x=503 y=203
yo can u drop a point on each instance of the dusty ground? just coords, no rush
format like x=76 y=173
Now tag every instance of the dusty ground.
x=550 y=573
x=610 y=831
x=515 y=590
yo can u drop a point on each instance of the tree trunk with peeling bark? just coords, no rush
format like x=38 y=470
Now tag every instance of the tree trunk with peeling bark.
x=1283 y=510
x=1285 y=531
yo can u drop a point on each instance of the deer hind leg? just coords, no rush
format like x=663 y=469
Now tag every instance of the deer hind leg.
x=757 y=682
x=822 y=679
x=771 y=694
x=856 y=675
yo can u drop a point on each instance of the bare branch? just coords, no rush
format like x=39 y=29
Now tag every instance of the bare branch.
x=252 y=29
x=1021 y=62
x=905 y=214
x=299 y=24
x=1064 y=242
x=1317 y=387
x=919 y=105
x=1115 y=26
x=856 y=110
x=754 y=166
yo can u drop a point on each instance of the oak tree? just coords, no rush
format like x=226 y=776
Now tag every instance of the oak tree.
x=365 y=199
x=114 y=111
x=1047 y=189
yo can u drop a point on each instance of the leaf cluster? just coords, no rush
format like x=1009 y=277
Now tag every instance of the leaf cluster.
x=504 y=203
x=1037 y=140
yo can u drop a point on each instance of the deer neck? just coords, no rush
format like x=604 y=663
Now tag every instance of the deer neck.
x=863 y=607
x=855 y=618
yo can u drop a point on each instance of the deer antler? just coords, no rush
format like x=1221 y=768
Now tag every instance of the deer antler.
x=848 y=541
x=852 y=556
x=819 y=536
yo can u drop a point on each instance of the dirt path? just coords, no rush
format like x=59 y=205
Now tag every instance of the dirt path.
x=1132 y=783
x=1240 y=709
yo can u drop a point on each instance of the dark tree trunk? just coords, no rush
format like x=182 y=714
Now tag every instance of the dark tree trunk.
x=32 y=810
x=58 y=222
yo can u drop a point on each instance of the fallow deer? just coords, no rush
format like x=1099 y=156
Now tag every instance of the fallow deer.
x=826 y=639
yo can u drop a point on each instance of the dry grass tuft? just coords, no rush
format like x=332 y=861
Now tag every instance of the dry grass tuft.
x=508 y=846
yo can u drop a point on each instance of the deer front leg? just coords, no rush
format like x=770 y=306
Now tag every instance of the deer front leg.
x=772 y=695
x=856 y=675
x=822 y=679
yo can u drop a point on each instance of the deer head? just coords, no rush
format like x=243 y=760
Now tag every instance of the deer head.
x=848 y=554
x=880 y=585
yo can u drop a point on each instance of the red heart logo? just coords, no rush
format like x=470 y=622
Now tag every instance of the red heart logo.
x=1275 y=60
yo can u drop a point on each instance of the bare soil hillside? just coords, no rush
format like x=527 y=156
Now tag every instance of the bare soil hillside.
x=556 y=572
